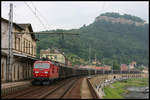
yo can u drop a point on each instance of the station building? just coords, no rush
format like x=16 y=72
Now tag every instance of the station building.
x=24 y=52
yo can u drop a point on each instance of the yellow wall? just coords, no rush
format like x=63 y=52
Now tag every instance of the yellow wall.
x=55 y=56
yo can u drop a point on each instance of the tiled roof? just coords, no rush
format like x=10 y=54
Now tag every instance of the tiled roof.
x=13 y=23
x=24 y=26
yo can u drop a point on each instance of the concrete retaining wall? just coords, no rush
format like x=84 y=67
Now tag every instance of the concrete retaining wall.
x=98 y=81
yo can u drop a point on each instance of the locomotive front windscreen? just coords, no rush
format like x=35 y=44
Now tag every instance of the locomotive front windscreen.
x=42 y=65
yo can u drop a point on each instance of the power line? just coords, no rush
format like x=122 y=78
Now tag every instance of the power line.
x=35 y=15
x=40 y=13
x=102 y=7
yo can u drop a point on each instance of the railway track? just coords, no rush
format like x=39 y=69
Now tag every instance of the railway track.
x=60 y=91
x=23 y=92
x=65 y=89
x=75 y=91
x=57 y=91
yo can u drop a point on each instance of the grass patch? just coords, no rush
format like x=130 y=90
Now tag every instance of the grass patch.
x=119 y=87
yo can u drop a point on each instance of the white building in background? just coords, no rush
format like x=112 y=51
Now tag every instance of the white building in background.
x=145 y=70
x=132 y=65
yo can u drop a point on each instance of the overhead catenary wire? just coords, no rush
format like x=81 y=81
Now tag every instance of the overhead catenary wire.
x=35 y=15
x=102 y=9
x=40 y=14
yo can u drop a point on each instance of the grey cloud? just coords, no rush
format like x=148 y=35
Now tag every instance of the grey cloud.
x=68 y=15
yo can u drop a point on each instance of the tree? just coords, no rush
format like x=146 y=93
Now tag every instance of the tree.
x=116 y=65
x=122 y=42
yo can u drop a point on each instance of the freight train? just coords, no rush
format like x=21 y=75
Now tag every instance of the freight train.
x=46 y=71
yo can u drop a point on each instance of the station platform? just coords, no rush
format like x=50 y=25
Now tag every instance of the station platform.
x=85 y=91
x=10 y=87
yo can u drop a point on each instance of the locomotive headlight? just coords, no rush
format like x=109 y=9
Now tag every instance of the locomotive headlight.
x=46 y=72
x=36 y=72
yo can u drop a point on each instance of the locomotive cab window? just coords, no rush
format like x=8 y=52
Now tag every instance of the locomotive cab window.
x=42 y=65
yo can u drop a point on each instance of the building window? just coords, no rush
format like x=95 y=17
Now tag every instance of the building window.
x=29 y=47
x=19 y=44
x=17 y=47
x=32 y=49
x=3 y=33
x=15 y=42
x=24 y=46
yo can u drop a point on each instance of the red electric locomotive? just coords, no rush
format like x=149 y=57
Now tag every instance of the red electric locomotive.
x=45 y=72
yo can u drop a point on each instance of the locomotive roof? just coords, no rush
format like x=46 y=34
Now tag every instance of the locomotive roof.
x=63 y=65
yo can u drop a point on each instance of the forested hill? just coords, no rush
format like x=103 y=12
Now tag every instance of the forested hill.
x=111 y=38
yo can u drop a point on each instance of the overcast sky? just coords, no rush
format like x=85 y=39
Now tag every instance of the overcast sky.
x=70 y=15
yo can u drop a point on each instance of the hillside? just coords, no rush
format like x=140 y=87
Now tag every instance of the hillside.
x=110 y=39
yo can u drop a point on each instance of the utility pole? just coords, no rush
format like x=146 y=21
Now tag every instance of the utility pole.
x=120 y=68
x=129 y=67
x=10 y=46
x=95 y=58
x=112 y=68
x=102 y=64
x=89 y=54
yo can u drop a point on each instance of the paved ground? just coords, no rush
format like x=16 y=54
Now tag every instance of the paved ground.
x=85 y=92
x=13 y=84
